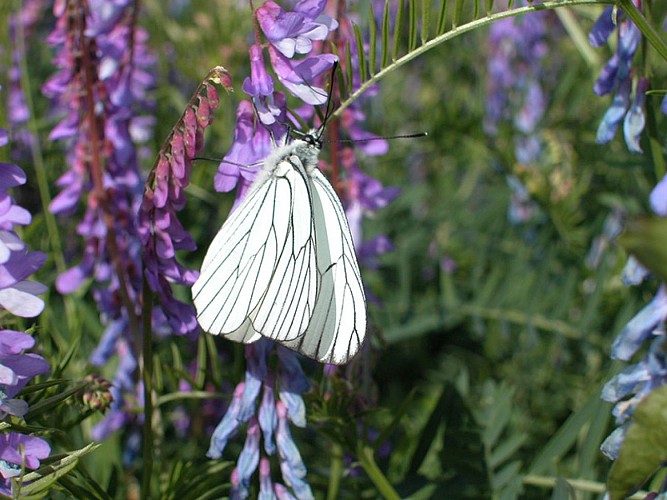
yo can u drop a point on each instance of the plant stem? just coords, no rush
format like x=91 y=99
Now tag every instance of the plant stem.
x=336 y=471
x=147 y=376
x=367 y=460
x=464 y=28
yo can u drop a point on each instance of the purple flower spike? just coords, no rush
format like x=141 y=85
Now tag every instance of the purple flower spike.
x=263 y=418
x=17 y=296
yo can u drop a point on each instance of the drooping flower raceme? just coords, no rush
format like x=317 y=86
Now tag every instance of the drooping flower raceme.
x=266 y=416
x=160 y=230
x=617 y=78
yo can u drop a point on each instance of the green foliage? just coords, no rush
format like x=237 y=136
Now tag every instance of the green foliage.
x=644 y=448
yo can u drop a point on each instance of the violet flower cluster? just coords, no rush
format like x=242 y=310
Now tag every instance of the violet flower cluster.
x=646 y=328
x=517 y=50
x=617 y=78
x=267 y=417
x=18 y=296
x=101 y=87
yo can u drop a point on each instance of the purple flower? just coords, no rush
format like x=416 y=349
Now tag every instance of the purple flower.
x=616 y=77
x=298 y=77
x=658 y=198
x=641 y=327
x=249 y=457
x=260 y=87
x=17 y=450
x=634 y=121
x=252 y=143
x=18 y=295
x=291 y=464
x=294 y=32
x=228 y=425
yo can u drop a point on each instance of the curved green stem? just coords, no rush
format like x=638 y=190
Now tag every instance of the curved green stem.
x=459 y=30
x=367 y=461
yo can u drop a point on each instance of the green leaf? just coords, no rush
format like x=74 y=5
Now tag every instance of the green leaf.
x=644 y=447
x=54 y=401
x=372 y=35
x=361 y=54
x=646 y=239
x=43 y=479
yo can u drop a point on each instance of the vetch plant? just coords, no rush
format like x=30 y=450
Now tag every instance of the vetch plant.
x=474 y=379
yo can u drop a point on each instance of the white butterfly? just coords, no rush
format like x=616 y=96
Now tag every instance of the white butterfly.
x=283 y=265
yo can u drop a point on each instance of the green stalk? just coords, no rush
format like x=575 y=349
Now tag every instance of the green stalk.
x=147 y=375
x=367 y=461
x=336 y=471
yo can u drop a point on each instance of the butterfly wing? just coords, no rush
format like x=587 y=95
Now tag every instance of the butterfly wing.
x=290 y=297
x=255 y=264
x=338 y=322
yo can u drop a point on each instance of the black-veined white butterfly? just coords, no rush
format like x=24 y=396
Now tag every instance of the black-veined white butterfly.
x=283 y=265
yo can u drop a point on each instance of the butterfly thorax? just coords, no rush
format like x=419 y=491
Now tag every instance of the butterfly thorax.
x=299 y=151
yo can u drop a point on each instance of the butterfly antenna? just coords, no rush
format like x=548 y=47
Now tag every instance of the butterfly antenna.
x=327 y=114
x=381 y=138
